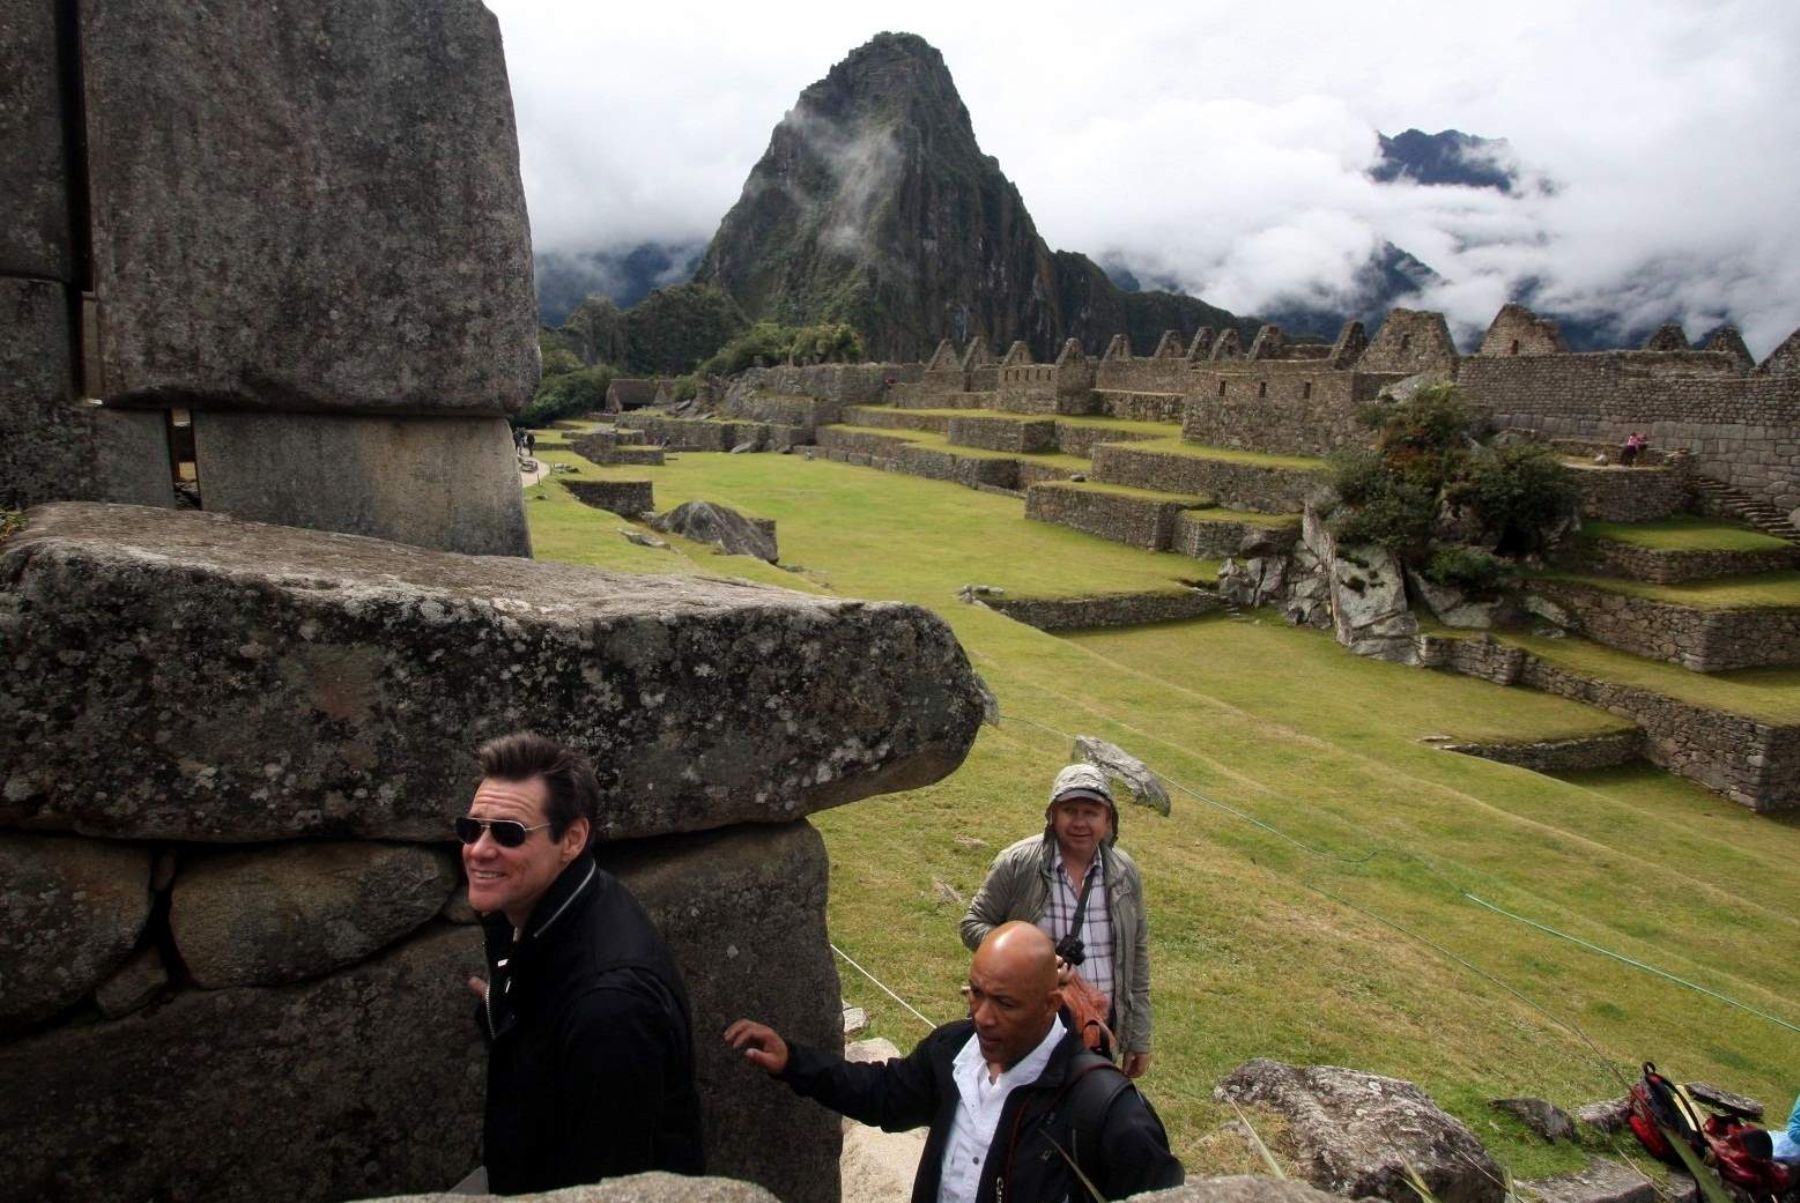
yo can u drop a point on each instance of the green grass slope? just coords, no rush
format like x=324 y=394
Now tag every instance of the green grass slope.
x=1310 y=898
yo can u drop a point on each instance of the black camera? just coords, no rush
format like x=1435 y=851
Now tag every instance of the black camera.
x=1070 y=949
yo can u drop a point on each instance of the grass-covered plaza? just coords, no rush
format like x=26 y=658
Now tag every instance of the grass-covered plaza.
x=1326 y=888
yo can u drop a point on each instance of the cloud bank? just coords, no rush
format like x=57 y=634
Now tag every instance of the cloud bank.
x=1226 y=150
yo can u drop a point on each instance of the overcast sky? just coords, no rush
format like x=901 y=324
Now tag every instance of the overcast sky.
x=1225 y=145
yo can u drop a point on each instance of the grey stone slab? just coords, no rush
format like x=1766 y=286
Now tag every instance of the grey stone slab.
x=639 y=1188
x=131 y=457
x=70 y=912
x=1240 y=1188
x=34 y=191
x=446 y=483
x=294 y=911
x=329 y=685
x=308 y=206
x=1604 y=1181
x=45 y=439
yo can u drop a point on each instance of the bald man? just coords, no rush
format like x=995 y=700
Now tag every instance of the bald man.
x=1010 y=1093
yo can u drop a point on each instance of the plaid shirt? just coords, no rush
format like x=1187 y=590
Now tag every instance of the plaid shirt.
x=1096 y=928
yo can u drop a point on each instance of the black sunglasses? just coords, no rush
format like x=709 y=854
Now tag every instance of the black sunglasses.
x=508 y=833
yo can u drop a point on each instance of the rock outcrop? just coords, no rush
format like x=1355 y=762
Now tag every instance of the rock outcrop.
x=1358 y=1134
x=721 y=526
x=639 y=1188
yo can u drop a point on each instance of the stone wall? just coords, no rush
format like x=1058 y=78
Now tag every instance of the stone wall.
x=1610 y=557
x=1129 y=375
x=1235 y=485
x=1409 y=342
x=1754 y=763
x=344 y=134
x=1081 y=440
x=1140 y=520
x=884 y=418
x=1743 y=430
x=861 y=442
x=1206 y=538
x=837 y=384
x=1029 y=437
x=1615 y=494
x=627 y=497
x=1704 y=640
x=1285 y=407
x=1561 y=755
x=1106 y=610
x=209 y=852
x=1141 y=407
x=903 y=397
x=712 y=434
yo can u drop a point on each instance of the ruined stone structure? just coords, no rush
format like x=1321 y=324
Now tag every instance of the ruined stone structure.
x=227 y=869
x=302 y=225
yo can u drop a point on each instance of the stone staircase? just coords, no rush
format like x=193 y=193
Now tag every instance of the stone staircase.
x=1724 y=499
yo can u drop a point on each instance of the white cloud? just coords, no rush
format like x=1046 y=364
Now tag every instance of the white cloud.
x=1226 y=146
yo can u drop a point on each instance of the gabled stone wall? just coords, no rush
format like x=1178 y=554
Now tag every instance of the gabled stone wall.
x=1288 y=407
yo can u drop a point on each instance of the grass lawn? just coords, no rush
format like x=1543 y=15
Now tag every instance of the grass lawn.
x=1307 y=896
x=1683 y=533
x=940 y=442
x=1179 y=446
x=1763 y=589
x=1247 y=517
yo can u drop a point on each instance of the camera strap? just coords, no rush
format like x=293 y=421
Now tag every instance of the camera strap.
x=1087 y=885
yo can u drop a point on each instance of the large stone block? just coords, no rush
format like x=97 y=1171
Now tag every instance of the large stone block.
x=131 y=457
x=1363 y=1136
x=70 y=912
x=45 y=439
x=296 y=911
x=743 y=911
x=308 y=206
x=367 y=1082
x=328 y=685
x=448 y=483
x=639 y=1188
x=34 y=191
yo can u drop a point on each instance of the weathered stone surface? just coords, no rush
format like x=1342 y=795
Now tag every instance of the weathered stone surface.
x=1356 y=1133
x=1239 y=1188
x=743 y=911
x=70 y=912
x=1541 y=1116
x=130 y=458
x=639 y=1188
x=1603 y=1181
x=627 y=497
x=723 y=527
x=294 y=911
x=1105 y=609
x=141 y=979
x=446 y=483
x=45 y=438
x=1451 y=606
x=335 y=223
x=1146 y=788
x=34 y=191
x=203 y=1095
x=1727 y=1100
x=1608 y=1115
x=324 y=685
x=1367 y=590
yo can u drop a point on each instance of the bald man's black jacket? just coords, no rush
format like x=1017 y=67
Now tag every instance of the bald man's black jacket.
x=1080 y=1104
x=590 y=1048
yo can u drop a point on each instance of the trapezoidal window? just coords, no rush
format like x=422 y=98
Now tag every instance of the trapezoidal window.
x=1262 y=388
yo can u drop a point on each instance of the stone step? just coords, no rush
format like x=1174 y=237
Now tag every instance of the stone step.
x=1265 y=484
x=884 y=417
x=1735 y=502
x=1657 y=623
x=1137 y=517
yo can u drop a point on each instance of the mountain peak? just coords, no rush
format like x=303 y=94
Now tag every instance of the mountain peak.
x=1446 y=157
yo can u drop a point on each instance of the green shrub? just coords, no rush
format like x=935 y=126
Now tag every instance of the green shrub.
x=672 y=329
x=1468 y=567
x=768 y=344
x=685 y=388
x=595 y=331
x=1380 y=506
x=1521 y=492
x=578 y=392
x=557 y=356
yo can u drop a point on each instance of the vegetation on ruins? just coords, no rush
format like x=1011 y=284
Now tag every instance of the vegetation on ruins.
x=767 y=344
x=672 y=329
x=1295 y=923
x=567 y=394
x=1447 y=497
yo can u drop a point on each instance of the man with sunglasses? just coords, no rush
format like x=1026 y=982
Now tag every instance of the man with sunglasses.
x=590 y=1052
x=1018 y=1108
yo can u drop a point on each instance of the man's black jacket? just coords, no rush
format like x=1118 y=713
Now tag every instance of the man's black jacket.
x=1130 y=1155
x=590 y=1048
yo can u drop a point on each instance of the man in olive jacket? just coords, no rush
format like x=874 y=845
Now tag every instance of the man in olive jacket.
x=1039 y=880
x=1013 y=1100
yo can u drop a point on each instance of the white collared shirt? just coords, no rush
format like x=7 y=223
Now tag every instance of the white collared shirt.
x=978 y=1111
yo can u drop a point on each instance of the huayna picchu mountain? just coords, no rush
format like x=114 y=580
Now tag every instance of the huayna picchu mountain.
x=874 y=205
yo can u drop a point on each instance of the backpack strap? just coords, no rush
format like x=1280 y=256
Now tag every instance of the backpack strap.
x=1090 y=1094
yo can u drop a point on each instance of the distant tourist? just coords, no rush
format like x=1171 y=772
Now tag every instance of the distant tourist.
x=590 y=1050
x=1628 y=454
x=1084 y=892
x=530 y=443
x=1013 y=1100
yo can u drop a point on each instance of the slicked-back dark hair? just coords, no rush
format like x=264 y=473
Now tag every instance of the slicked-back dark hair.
x=574 y=791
